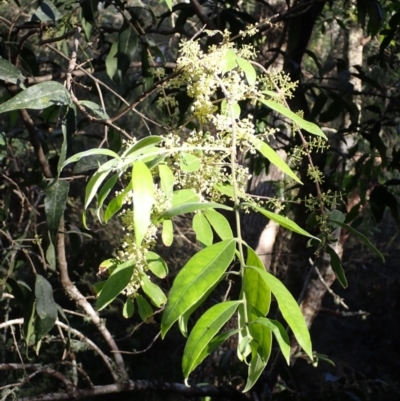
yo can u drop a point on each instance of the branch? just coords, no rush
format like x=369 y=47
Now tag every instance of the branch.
x=145 y=385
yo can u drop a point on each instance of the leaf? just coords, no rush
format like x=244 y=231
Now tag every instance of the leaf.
x=54 y=206
x=143 y=199
x=303 y=124
x=127 y=46
x=10 y=73
x=51 y=255
x=336 y=265
x=256 y=367
x=219 y=223
x=248 y=70
x=145 y=310
x=95 y=108
x=153 y=291
x=228 y=62
x=166 y=180
x=192 y=207
x=128 y=309
x=289 y=308
x=78 y=156
x=46 y=308
x=201 y=272
x=45 y=304
x=202 y=229
x=156 y=264
x=184 y=196
x=282 y=221
x=167 y=234
x=116 y=203
x=273 y=157
x=209 y=324
x=189 y=163
x=46 y=12
x=141 y=146
x=279 y=333
x=93 y=185
x=115 y=284
x=360 y=236
x=104 y=192
x=29 y=312
x=111 y=60
x=38 y=97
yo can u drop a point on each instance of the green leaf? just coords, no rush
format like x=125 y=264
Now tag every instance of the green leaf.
x=141 y=146
x=104 y=192
x=248 y=70
x=54 y=206
x=45 y=304
x=169 y=4
x=209 y=324
x=93 y=185
x=228 y=62
x=116 y=203
x=143 y=199
x=46 y=308
x=256 y=367
x=111 y=60
x=153 y=291
x=184 y=196
x=51 y=255
x=127 y=46
x=289 y=308
x=46 y=12
x=95 y=108
x=360 y=236
x=273 y=157
x=219 y=223
x=10 y=73
x=202 y=229
x=29 y=312
x=192 y=207
x=279 y=333
x=189 y=163
x=303 y=124
x=115 y=284
x=200 y=273
x=145 y=310
x=336 y=265
x=282 y=221
x=166 y=180
x=225 y=189
x=128 y=309
x=156 y=264
x=38 y=97
x=167 y=234
x=78 y=156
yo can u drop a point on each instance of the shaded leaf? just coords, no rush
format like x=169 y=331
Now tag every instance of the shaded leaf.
x=95 y=108
x=10 y=73
x=144 y=308
x=336 y=265
x=192 y=207
x=128 y=309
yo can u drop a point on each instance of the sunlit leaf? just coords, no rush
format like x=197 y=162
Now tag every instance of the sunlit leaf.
x=192 y=207
x=10 y=73
x=128 y=309
x=209 y=324
x=115 y=284
x=219 y=223
x=156 y=264
x=143 y=192
x=167 y=234
x=248 y=70
x=153 y=291
x=200 y=273
x=166 y=180
x=202 y=229
x=189 y=163
x=38 y=97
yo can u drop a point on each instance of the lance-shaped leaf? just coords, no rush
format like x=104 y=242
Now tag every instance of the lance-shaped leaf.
x=248 y=70
x=128 y=309
x=166 y=180
x=54 y=206
x=143 y=199
x=104 y=191
x=140 y=147
x=46 y=308
x=219 y=223
x=279 y=332
x=282 y=221
x=202 y=229
x=336 y=265
x=116 y=203
x=156 y=264
x=303 y=124
x=184 y=196
x=289 y=308
x=95 y=108
x=10 y=73
x=153 y=291
x=38 y=97
x=203 y=332
x=78 y=156
x=144 y=308
x=192 y=207
x=46 y=12
x=115 y=284
x=273 y=157
x=127 y=45
x=200 y=273
x=167 y=234
x=360 y=236
x=256 y=367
